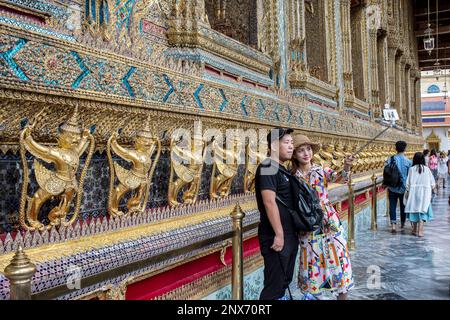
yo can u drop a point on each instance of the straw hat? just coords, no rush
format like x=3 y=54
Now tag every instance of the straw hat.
x=300 y=140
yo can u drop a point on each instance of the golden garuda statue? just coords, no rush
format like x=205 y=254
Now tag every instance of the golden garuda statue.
x=136 y=180
x=338 y=156
x=252 y=160
x=186 y=165
x=326 y=153
x=60 y=183
x=225 y=168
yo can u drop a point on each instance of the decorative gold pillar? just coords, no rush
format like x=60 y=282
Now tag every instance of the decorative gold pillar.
x=374 y=90
x=374 y=225
x=19 y=273
x=351 y=215
x=237 y=270
x=349 y=95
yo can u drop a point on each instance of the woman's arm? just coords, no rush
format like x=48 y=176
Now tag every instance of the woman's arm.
x=333 y=176
x=342 y=175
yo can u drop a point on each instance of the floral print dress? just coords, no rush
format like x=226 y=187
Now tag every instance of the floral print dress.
x=324 y=257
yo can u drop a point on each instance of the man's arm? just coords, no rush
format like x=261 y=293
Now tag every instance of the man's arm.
x=274 y=217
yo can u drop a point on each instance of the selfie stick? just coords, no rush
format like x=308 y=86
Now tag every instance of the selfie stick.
x=392 y=122
x=370 y=141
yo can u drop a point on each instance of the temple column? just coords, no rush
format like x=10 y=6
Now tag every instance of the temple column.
x=383 y=67
x=184 y=21
x=398 y=87
x=402 y=92
x=407 y=85
x=412 y=98
x=298 y=62
x=349 y=95
x=391 y=75
x=374 y=90
x=418 y=103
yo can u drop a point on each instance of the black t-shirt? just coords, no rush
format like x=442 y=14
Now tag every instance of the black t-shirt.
x=269 y=177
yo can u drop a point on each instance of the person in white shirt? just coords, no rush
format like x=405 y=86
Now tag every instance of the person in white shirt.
x=419 y=185
x=442 y=170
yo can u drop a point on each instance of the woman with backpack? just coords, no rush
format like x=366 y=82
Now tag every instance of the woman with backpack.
x=324 y=257
x=418 y=193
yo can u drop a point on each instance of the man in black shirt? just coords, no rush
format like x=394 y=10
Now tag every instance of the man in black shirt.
x=277 y=237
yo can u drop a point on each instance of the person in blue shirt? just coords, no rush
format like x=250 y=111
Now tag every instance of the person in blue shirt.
x=397 y=193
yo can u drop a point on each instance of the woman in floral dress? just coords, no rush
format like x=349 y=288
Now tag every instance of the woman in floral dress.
x=324 y=257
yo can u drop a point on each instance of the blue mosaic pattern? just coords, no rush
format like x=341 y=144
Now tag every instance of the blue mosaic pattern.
x=8 y=57
x=224 y=102
x=84 y=71
x=124 y=13
x=126 y=81
x=197 y=98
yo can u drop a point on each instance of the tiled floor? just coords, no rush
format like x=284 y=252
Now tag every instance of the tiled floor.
x=408 y=267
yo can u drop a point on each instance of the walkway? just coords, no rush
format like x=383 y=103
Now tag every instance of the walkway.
x=409 y=267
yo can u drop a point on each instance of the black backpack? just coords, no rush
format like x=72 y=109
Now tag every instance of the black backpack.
x=391 y=174
x=307 y=213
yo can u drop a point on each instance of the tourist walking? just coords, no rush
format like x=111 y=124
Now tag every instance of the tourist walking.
x=433 y=164
x=277 y=237
x=442 y=170
x=324 y=258
x=419 y=187
x=396 y=193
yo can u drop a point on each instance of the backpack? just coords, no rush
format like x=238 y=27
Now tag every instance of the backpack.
x=307 y=213
x=391 y=174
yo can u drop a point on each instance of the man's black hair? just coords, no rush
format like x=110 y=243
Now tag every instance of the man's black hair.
x=400 y=146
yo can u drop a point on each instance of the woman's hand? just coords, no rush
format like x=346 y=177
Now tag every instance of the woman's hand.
x=348 y=162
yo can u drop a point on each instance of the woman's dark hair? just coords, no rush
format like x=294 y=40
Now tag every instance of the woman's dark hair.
x=419 y=159
x=426 y=152
x=433 y=153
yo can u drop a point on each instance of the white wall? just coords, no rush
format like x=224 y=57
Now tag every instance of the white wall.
x=428 y=79
x=441 y=133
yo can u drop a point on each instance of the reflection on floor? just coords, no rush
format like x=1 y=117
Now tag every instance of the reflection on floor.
x=408 y=267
